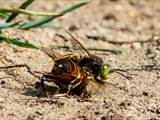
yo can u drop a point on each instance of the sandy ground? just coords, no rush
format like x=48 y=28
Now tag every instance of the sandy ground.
x=95 y=24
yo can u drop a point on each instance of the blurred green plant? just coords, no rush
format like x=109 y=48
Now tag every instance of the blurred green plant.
x=11 y=14
x=8 y=25
x=4 y=15
x=28 y=12
x=35 y=23
x=39 y=22
x=24 y=5
x=14 y=41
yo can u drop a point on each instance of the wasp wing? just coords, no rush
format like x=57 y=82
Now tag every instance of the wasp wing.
x=75 y=42
x=50 y=52
x=97 y=88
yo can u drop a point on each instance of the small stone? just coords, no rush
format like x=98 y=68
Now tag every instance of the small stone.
x=1 y=99
x=3 y=82
x=136 y=45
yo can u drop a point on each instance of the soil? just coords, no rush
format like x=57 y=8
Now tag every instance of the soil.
x=94 y=25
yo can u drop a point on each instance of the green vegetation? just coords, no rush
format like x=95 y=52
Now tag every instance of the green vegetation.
x=10 y=14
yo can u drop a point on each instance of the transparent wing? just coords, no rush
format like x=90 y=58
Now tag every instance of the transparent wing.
x=50 y=52
x=95 y=87
x=75 y=43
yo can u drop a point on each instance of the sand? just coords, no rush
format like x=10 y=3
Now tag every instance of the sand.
x=94 y=25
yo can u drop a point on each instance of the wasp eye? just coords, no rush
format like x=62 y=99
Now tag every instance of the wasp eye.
x=62 y=66
x=104 y=71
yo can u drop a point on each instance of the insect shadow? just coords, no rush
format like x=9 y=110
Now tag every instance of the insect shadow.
x=36 y=91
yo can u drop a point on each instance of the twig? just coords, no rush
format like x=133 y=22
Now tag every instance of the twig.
x=21 y=65
x=91 y=49
x=105 y=50
x=140 y=68
x=11 y=77
x=150 y=39
x=94 y=49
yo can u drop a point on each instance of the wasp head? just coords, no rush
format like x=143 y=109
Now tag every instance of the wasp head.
x=104 y=71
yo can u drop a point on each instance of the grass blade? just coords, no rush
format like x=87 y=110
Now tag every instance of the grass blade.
x=16 y=42
x=31 y=24
x=52 y=26
x=8 y=25
x=74 y=7
x=4 y=15
x=28 y=12
x=23 y=6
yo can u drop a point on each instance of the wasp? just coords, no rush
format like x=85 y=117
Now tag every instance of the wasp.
x=74 y=72
x=68 y=75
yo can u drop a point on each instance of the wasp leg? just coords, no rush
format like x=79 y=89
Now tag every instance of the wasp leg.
x=42 y=85
x=49 y=77
x=70 y=87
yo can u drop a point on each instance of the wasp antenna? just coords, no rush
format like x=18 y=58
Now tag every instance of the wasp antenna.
x=118 y=71
x=78 y=42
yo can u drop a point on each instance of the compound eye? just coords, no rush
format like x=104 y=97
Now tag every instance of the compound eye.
x=63 y=66
x=104 y=71
x=60 y=66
